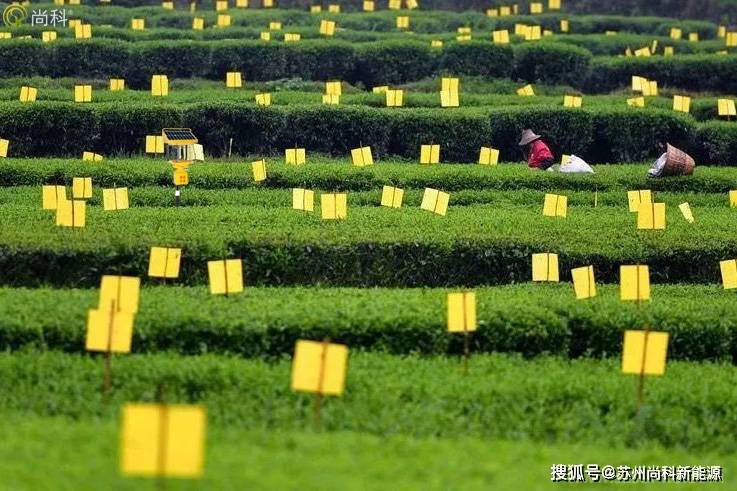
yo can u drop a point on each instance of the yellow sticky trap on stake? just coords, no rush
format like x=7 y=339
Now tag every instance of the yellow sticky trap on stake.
x=117 y=84
x=331 y=99
x=28 y=94
x=263 y=99
x=436 y=43
x=162 y=440
x=526 y=91
x=241 y=4
x=536 y=8
x=381 y=89
x=334 y=8
x=488 y=156
x=545 y=267
x=554 y=4
x=533 y=33
x=682 y=103
x=565 y=25
x=500 y=36
x=733 y=199
x=555 y=206
x=395 y=4
x=292 y=38
x=362 y=157
x=48 y=36
x=109 y=331
x=650 y=89
x=429 y=154
x=226 y=276
x=369 y=5
x=91 y=157
x=82 y=93
x=4 y=145
x=71 y=213
x=634 y=283
x=83 y=31
x=636 y=198
x=221 y=5
x=295 y=156
x=223 y=20
x=154 y=144
x=319 y=367
x=167 y=5
x=638 y=83
x=403 y=22
x=334 y=206
x=462 y=312
x=729 y=274
x=449 y=99
x=669 y=51
x=160 y=85
x=259 y=170
x=676 y=33
x=138 y=24
x=163 y=262
x=722 y=31
x=636 y=102
x=693 y=37
x=267 y=4
x=327 y=27
x=198 y=23
x=124 y=291
x=115 y=199
x=583 y=282
x=686 y=212
x=333 y=88
x=450 y=84
x=412 y=4
x=315 y=9
x=505 y=11
x=233 y=80
x=435 y=201
x=303 y=199
x=644 y=352
x=726 y=107
x=730 y=40
x=492 y=12
x=51 y=196
x=463 y=38
x=81 y=187
x=392 y=197
x=572 y=101
x=394 y=98
x=464 y=30
x=651 y=216
x=643 y=52
x=275 y=26
x=654 y=46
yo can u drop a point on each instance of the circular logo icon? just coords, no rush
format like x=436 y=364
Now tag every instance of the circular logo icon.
x=14 y=15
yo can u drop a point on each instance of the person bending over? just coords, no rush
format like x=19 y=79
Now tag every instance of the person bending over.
x=536 y=152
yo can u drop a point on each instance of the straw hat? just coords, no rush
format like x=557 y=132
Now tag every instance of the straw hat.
x=677 y=162
x=528 y=136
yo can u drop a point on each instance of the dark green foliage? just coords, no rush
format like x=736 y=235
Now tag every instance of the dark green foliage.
x=554 y=63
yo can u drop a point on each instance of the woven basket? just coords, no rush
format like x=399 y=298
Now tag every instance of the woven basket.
x=677 y=163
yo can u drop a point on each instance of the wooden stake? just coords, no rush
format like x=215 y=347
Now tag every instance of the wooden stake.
x=107 y=383
x=321 y=379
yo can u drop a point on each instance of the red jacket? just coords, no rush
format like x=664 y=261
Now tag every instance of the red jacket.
x=539 y=153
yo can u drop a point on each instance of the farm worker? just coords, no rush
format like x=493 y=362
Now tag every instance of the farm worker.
x=536 y=152
x=673 y=162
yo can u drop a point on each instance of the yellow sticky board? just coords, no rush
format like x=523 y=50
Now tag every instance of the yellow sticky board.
x=28 y=94
x=634 y=283
x=635 y=198
x=138 y=24
x=450 y=84
x=636 y=102
x=163 y=262
x=331 y=99
x=292 y=38
x=263 y=99
x=160 y=85
x=729 y=274
x=554 y=4
x=492 y=12
x=259 y=170
x=572 y=101
x=644 y=352
x=221 y=5
x=362 y=157
x=435 y=201
x=392 y=197
x=319 y=367
x=226 y=276
x=463 y=38
x=403 y=22
x=109 y=331
x=51 y=196
x=327 y=27
x=555 y=206
x=412 y=4
x=733 y=199
x=449 y=99
x=464 y=30
x=394 y=98
x=315 y=9
x=380 y=89
x=669 y=51
x=83 y=31
x=162 y=440
x=722 y=31
x=369 y=6
x=167 y=5
x=565 y=25
x=610 y=33
x=526 y=91
x=115 y=199
x=686 y=212
x=565 y=160
x=693 y=37
x=275 y=26
x=6 y=35
x=303 y=199
x=268 y=4
x=73 y=23
x=82 y=187
x=536 y=8
x=436 y=43
x=4 y=145
x=91 y=157
x=534 y=33
x=334 y=206
x=676 y=33
x=584 y=284
x=334 y=8
x=241 y=4
x=643 y=52
x=295 y=156
x=117 y=84
x=395 y=4
x=430 y=154
x=198 y=23
x=638 y=83
x=233 y=80
x=654 y=46
x=505 y=11
x=154 y=144
x=82 y=93
x=682 y=103
x=462 y=312
x=651 y=216
x=488 y=156
x=71 y=213
x=48 y=36
x=650 y=89
x=545 y=267
x=726 y=107
x=501 y=36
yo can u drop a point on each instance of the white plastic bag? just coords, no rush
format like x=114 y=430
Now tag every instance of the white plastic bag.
x=658 y=166
x=576 y=165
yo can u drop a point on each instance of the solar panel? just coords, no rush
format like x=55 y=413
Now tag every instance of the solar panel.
x=179 y=134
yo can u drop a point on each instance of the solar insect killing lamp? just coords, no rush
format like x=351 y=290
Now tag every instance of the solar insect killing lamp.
x=180 y=149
